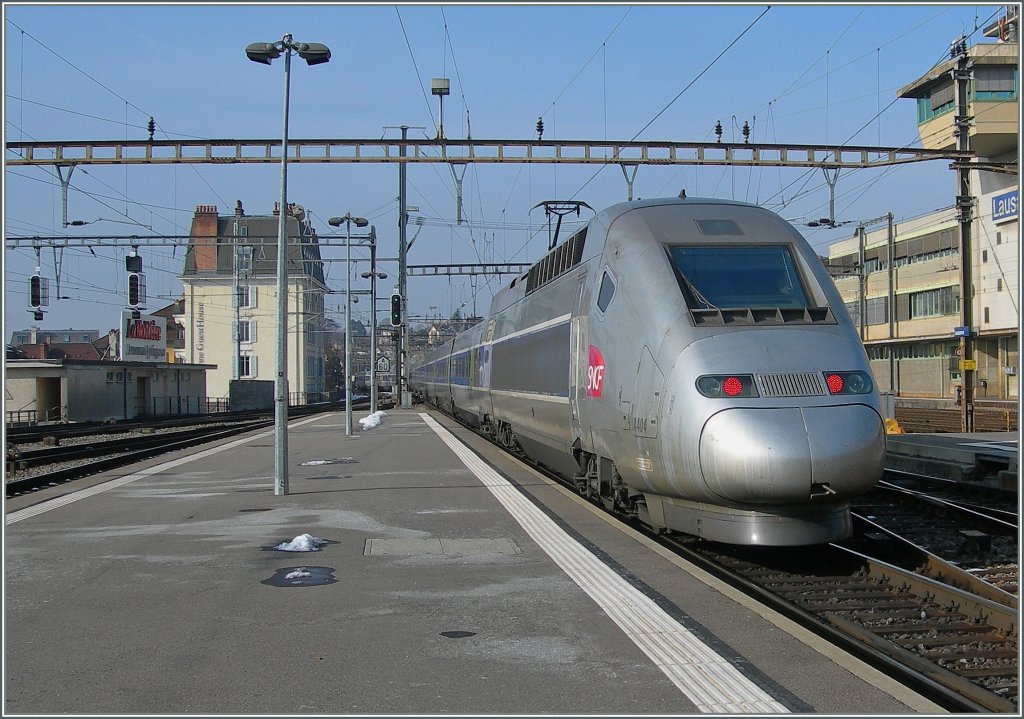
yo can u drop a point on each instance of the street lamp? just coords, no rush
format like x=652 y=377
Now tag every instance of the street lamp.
x=314 y=54
x=348 y=219
x=373 y=275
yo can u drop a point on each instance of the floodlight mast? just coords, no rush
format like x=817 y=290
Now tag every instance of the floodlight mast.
x=313 y=54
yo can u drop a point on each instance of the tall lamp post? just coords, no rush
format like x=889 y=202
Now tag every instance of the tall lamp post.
x=348 y=219
x=373 y=275
x=314 y=54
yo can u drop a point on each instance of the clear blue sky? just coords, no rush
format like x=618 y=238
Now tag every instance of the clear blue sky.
x=800 y=74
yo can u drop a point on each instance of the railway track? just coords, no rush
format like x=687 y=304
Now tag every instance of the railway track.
x=958 y=649
x=79 y=451
x=39 y=433
x=995 y=502
x=942 y=539
x=41 y=468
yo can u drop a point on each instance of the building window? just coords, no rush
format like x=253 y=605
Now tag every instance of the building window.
x=923 y=350
x=984 y=255
x=932 y=303
x=999 y=284
x=243 y=257
x=246 y=365
x=874 y=311
x=246 y=296
x=985 y=312
x=995 y=82
x=937 y=101
x=247 y=330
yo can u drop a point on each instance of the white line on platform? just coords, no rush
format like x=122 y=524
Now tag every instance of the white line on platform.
x=115 y=483
x=707 y=679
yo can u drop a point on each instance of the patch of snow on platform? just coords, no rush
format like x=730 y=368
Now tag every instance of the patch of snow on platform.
x=374 y=420
x=300 y=573
x=302 y=543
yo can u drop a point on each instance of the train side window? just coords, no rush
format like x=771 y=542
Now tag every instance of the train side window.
x=607 y=291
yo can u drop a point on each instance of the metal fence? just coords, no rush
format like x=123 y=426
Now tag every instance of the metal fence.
x=29 y=417
x=177 y=405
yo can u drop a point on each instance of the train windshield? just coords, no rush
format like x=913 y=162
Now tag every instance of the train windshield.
x=730 y=277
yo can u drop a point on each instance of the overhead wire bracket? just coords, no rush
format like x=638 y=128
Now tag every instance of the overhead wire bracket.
x=629 y=178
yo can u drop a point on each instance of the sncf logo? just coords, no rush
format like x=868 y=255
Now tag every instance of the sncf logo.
x=595 y=372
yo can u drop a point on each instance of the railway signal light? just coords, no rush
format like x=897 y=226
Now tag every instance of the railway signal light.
x=396 y=310
x=136 y=289
x=39 y=293
x=35 y=291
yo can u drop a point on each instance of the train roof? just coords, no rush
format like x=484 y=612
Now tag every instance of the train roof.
x=622 y=207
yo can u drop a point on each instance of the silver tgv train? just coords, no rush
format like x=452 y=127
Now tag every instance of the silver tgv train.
x=685 y=361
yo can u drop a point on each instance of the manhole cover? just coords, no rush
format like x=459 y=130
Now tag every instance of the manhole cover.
x=301 y=577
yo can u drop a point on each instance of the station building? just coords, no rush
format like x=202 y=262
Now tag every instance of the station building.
x=906 y=298
x=130 y=372
x=69 y=390
x=229 y=309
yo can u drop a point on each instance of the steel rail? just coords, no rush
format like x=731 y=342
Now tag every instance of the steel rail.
x=924 y=676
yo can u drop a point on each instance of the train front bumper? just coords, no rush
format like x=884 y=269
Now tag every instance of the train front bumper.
x=792 y=454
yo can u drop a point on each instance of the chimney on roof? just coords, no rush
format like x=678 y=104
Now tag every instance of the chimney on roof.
x=204 y=238
x=277 y=208
x=239 y=212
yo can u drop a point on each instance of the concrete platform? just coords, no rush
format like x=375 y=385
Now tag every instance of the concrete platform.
x=452 y=580
x=989 y=458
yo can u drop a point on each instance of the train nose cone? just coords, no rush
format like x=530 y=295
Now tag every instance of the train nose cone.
x=791 y=454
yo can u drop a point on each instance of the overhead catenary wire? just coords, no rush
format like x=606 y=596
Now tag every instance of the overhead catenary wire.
x=128 y=103
x=808 y=174
x=681 y=92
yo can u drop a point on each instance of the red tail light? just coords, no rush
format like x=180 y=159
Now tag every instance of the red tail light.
x=727 y=385
x=732 y=386
x=855 y=382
